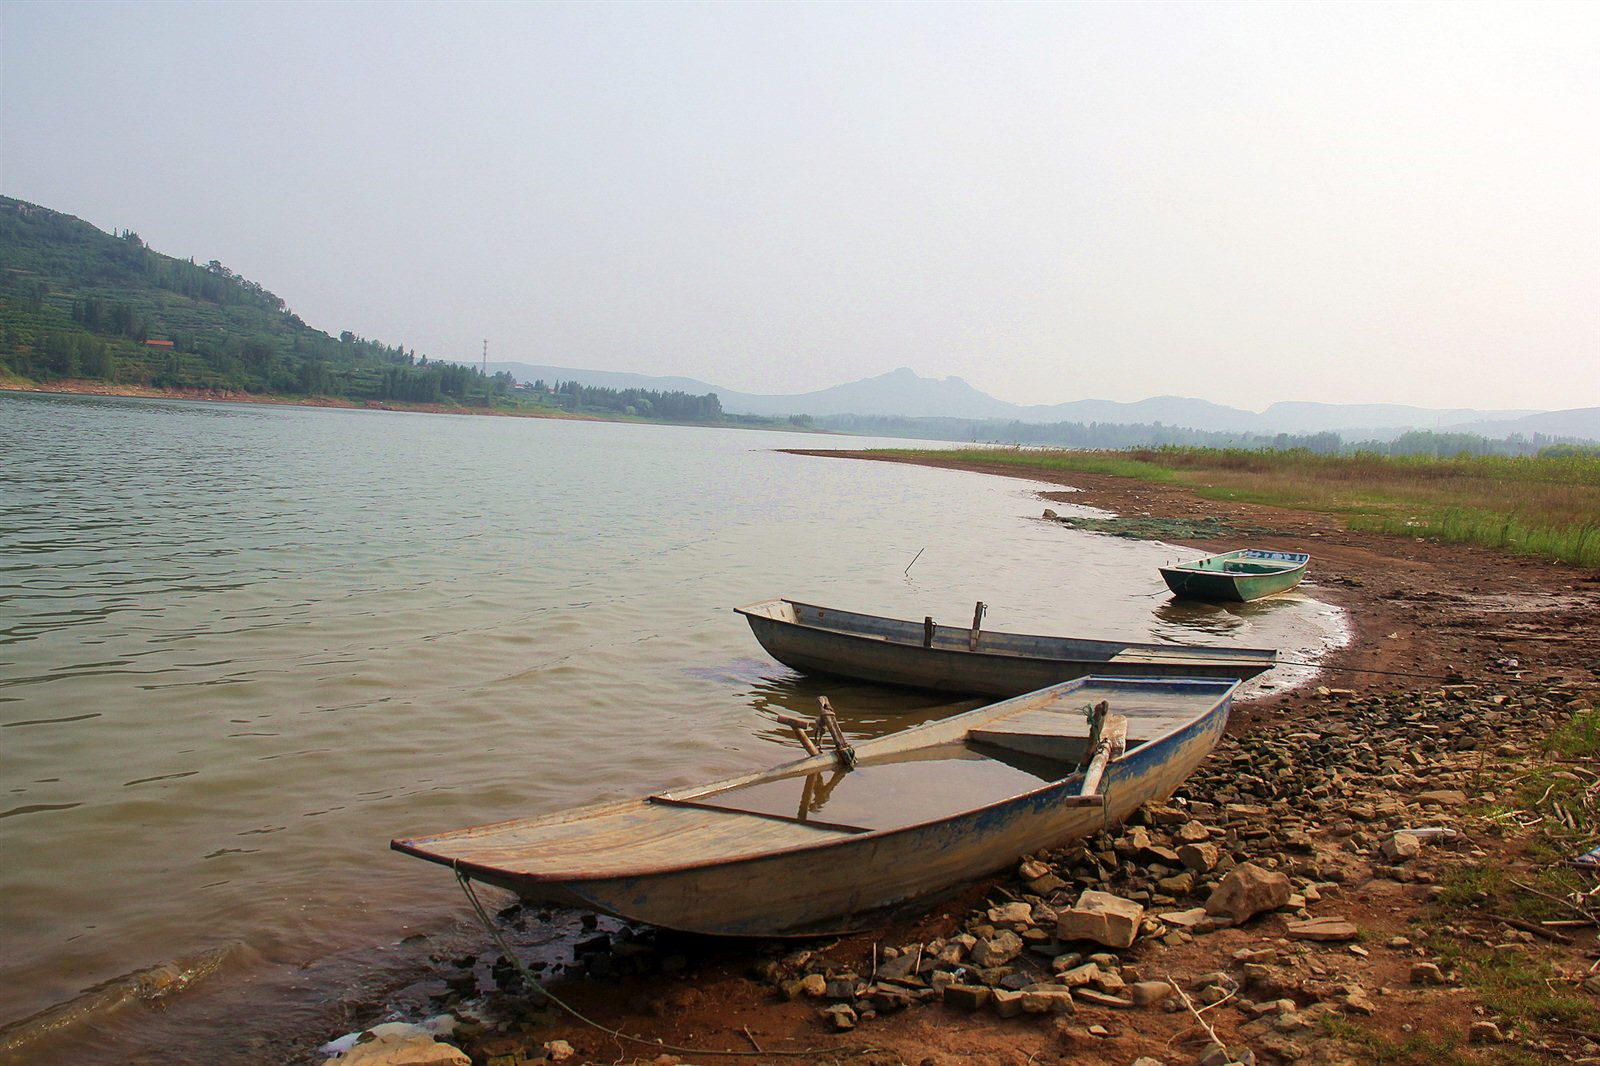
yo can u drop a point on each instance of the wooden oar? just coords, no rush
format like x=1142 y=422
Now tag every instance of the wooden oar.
x=1113 y=741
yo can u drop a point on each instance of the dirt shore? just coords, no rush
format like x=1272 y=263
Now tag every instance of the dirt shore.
x=1432 y=623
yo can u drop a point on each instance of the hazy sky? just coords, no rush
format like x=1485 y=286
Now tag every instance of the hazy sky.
x=1240 y=202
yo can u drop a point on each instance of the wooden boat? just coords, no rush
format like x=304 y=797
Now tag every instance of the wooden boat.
x=971 y=661
x=817 y=845
x=1236 y=576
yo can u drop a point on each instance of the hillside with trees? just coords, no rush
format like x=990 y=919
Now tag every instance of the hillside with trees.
x=80 y=304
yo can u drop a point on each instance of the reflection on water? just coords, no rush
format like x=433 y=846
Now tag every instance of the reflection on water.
x=1225 y=619
x=242 y=647
x=864 y=710
x=905 y=788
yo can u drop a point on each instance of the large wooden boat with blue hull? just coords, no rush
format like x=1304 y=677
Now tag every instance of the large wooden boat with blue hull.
x=971 y=661
x=823 y=843
x=1236 y=576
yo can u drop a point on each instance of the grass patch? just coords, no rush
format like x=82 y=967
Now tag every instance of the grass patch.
x=1414 y=1049
x=1518 y=988
x=1553 y=803
x=1543 y=506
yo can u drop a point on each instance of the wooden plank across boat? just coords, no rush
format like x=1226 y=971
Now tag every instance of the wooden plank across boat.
x=821 y=843
x=971 y=661
x=1236 y=576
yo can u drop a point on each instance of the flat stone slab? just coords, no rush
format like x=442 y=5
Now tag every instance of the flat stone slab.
x=1328 y=929
x=1184 y=919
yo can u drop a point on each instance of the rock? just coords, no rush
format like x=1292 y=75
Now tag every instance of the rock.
x=896 y=968
x=997 y=950
x=1079 y=976
x=842 y=987
x=1013 y=916
x=1102 y=999
x=1007 y=1004
x=1247 y=891
x=1149 y=993
x=1442 y=797
x=1485 y=1033
x=966 y=997
x=1157 y=856
x=813 y=985
x=1285 y=1049
x=1178 y=885
x=1048 y=1001
x=559 y=1050
x=1201 y=858
x=842 y=1016
x=1134 y=840
x=1184 y=919
x=1400 y=847
x=1101 y=917
x=1426 y=973
x=1324 y=929
x=1062 y=963
x=1291 y=1021
x=1107 y=981
x=1191 y=832
x=1356 y=1001
x=401 y=1046
x=1032 y=870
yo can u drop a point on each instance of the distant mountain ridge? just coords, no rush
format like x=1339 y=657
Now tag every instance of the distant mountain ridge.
x=903 y=393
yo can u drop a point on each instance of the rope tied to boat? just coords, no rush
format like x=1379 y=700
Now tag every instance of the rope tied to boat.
x=544 y=992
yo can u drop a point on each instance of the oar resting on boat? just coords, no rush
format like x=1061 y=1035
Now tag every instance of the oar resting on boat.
x=784 y=852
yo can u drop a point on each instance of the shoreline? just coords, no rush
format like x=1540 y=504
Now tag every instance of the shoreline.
x=1486 y=650
x=79 y=387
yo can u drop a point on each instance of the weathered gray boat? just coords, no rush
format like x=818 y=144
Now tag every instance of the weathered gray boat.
x=821 y=843
x=971 y=661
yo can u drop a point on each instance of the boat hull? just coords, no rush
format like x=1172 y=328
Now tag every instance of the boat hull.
x=1236 y=577
x=841 y=880
x=891 y=652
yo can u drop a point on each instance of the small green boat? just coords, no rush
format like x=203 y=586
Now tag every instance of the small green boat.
x=1236 y=576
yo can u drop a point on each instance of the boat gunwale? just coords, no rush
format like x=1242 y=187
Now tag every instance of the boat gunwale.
x=1220 y=704
x=1177 y=654
x=1291 y=561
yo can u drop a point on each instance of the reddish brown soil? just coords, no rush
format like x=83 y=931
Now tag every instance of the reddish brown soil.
x=1421 y=610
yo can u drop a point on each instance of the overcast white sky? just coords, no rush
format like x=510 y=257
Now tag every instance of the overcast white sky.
x=1239 y=202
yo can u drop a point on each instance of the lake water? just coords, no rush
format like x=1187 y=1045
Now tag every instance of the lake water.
x=242 y=647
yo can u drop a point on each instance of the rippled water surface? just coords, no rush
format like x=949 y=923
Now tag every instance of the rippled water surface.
x=242 y=647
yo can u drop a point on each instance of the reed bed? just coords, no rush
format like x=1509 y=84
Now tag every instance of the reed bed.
x=1544 y=506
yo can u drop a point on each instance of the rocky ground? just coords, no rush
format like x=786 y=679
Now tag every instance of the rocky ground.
x=1373 y=870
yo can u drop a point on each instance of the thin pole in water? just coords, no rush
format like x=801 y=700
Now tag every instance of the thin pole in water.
x=913 y=561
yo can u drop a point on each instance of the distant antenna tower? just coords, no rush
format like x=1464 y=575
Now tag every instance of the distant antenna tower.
x=486 y=357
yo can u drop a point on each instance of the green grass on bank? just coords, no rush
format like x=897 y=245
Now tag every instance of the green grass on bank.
x=1546 y=506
